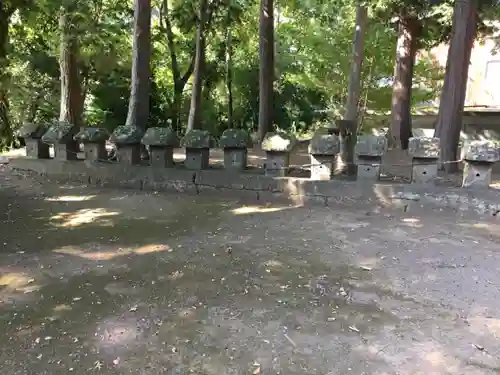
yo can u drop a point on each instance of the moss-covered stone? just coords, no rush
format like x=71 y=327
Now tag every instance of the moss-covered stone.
x=198 y=139
x=158 y=137
x=324 y=144
x=92 y=135
x=31 y=130
x=60 y=132
x=126 y=135
x=279 y=142
x=235 y=138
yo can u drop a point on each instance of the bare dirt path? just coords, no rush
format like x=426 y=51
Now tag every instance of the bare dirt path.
x=118 y=282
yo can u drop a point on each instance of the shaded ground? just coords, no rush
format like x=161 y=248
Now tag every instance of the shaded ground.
x=117 y=282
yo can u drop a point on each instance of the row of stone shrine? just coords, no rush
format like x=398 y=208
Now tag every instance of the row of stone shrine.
x=323 y=150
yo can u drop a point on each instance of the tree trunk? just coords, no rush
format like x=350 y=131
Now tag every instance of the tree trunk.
x=451 y=106
x=266 y=67
x=71 y=106
x=6 y=132
x=229 y=70
x=406 y=50
x=194 y=119
x=138 y=107
x=354 y=91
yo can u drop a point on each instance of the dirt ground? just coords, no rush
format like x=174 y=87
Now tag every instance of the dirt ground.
x=121 y=282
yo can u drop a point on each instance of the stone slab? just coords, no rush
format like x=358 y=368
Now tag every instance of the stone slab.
x=277 y=163
x=95 y=151
x=235 y=159
x=66 y=151
x=424 y=173
x=161 y=157
x=197 y=158
x=370 y=172
x=322 y=167
x=128 y=154
x=37 y=149
x=477 y=175
x=481 y=151
x=370 y=146
x=324 y=144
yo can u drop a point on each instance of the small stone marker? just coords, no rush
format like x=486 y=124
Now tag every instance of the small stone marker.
x=32 y=134
x=161 y=142
x=480 y=156
x=94 y=143
x=278 y=147
x=323 y=150
x=369 y=150
x=61 y=135
x=197 y=144
x=235 y=143
x=424 y=152
x=128 y=144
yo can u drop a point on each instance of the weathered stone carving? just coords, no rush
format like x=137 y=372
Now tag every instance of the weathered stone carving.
x=161 y=143
x=94 y=143
x=32 y=134
x=369 y=150
x=425 y=153
x=197 y=144
x=235 y=143
x=480 y=156
x=60 y=134
x=323 y=150
x=278 y=147
x=128 y=144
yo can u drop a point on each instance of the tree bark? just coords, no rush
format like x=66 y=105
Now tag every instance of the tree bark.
x=194 y=119
x=180 y=80
x=406 y=50
x=229 y=70
x=266 y=67
x=71 y=105
x=6 y=132
x=354 y=91
x=138 y=107
x=451 y=106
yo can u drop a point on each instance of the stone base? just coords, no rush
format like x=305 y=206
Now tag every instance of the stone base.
x=66 y=151
x=477 y=175
x=277 y=164
x=128 y=154
x=424 y=171
x=197 y=158
x=322 y=167
x=235 y=158
x=161 y=157
x=37 y=149
x=368 y=168
x=95 y=151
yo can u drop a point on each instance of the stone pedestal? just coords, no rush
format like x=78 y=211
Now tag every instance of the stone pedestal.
x=161 y=157
x=278 y=147
x=235 y=158
x=37 y=149
x=197 y=158
x=66 y=151
x=425 y=153
x=129 y=154
x=369 y=151
x=323 y=150
x=322 y=167
x=95 y=152
x=480 y=156
x=277 y=163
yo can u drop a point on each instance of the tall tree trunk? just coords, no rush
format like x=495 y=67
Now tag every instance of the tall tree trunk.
x=354 y=90
x=266 y=67
x=180 y=80
x=229 y=70
x=71 y=106
x=6 y=132
x=138 y=107
x=194 y=119
x=406 y=50
x=451 y=106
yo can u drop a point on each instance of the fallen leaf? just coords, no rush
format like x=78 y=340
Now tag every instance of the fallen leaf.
x=116 y=361
x=256 y=371
x=366 y=268
x=353 y=328
x=133 y=308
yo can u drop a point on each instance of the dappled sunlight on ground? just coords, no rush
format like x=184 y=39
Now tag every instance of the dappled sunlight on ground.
x=111 y=254
x=84 y=216
x=70 y=198
x=245 y=210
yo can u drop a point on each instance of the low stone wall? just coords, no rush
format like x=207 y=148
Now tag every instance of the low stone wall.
x=297 y=191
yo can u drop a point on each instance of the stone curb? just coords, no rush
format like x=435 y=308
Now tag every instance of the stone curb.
x=295 y=190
